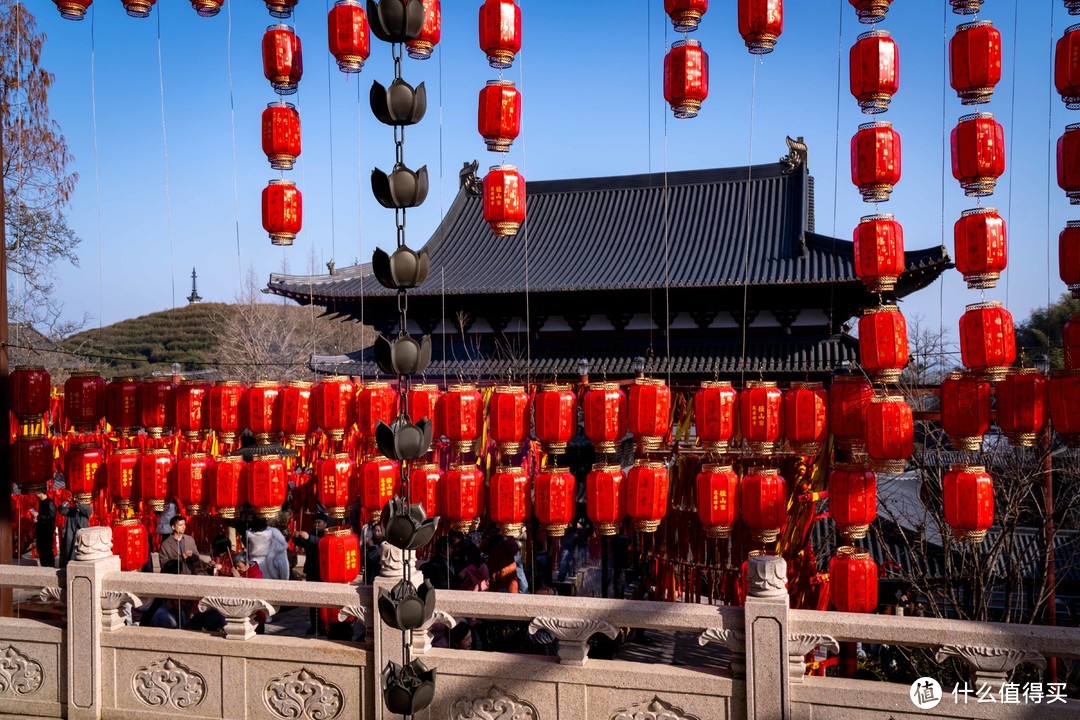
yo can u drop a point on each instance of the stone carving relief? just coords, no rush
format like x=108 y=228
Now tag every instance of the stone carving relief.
x=20 y=674
x=573 y=636
x=990 y=663
x=168 y=683
x=51 y=595
x=733 y=640
x=116 y=608
x=799 y=645
x=393 y=564
x=498 y=704
x=768 y=576
x=655 y=709
x=303 y=695
x=93 y=543
x=238 y=614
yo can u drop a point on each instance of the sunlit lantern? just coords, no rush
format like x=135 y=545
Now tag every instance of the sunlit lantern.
x=1068 y=162
x=73 y=9
x=968 y=499
x=714 y=415
x=556 y=500
x=981 y=248
x=849 y=396
x=138 y=8
x=281 y=135
x=987 y=339
x=190 y=399
x=504 y=200
x=30 y=388
x=207 y=8
x=264 y=411
x=975 y=61
x=460 y=502
x=1065 y=405
x=649 y=412
x=604 y=408
x=806 y=417
x=424 y=487
x=871 y=11
x=890 y=432
x=978 y=153
x=853 y=580
x=335 y=484
x=761 y=416
x=155 y=476
x=499 y=114
x=122 y=405
x=717 y=499
x=764 y=503
x=228 y=490
x=266 y=480
x=1069 y=256
x=349 y=35
x=423 y=403
x=966 y=7
x=1071 y=342
x=156 y=406
x=33 y=457
x=283 y=60
x=760 y=23
x=1021 y=402
x=1067 y=65
x=879 y=252
x=883 y=343
x=84 y=399
x=965 y=409
x=193 y=481
x=605 y=498
x=120 y=474
x=508 y=418
x=280 y=8
x=420 y=47
x=508 y=504
x=875 y=160
x=647 y=487
x=296 y=411
x=130 y=543
x=226 y=400
x=463 y=410
x=686 y=77
x=282 y=211
x=685 y=14
x=500 y=32
x=874 y=63
x=379 y=479
x=555 y=411
x=852 y=499
x=335 y=408
x=339 y=555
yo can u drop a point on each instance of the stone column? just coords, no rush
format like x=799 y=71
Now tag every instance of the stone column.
x=92 y=562
x=767 y=679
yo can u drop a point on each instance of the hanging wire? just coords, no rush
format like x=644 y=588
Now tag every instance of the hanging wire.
x=232 y=130
x=97 y=166
x=1012 y=128
x=1050 y=146
x=330 y=139
x=667 y=244
x=944 y=160
x=836 y=142
x=165 y=151
x=746 y=237
x=525 y=225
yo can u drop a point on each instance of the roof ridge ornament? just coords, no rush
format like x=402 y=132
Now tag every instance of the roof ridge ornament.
x=468 y=178
x=798 y=155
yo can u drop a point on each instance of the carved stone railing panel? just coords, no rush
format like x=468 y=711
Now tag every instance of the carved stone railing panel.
x=990 y=665
x=303 y=695
x=497 y=704
x=116 y=609
x=799 y=646
x=238 y=614
x=573 y=636
x=168 y=684
x=20 y=674
x=655 y=709
x=733 y=640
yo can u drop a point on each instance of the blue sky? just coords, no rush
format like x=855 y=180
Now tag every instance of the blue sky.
x=590 y=74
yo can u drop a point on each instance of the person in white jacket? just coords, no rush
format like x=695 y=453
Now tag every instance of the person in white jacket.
x=268 y=547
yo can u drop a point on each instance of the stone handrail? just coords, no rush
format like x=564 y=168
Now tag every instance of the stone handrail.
x=25 y=576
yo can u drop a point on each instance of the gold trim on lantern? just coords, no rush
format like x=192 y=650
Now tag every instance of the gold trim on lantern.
x=975 y=537
x=717 y=467
x=708 y=384
x=806 y=385
x=227 y=512
x=686 y=20
x=761 y=43
x=500 y=59
x=509 y=448
x=718 y=532
x=880 y=309
x=967 y=442
x=983 y=305
x=350 y=63
x=505 y=228
x=966 y=7
x=982 y=281
x=761 y=470
x=650 y=443
x=887 y=375
x=760 y=384
x=336 y=512
x=126 y=522
x=717 y=447
x=464 y=446
x=340 y=530
x=226 y=437
x=264 y=438
x=806 y=448
x=556 y=448
x=1023 y=439
x=762 y=448
x=297 y=439
x=890 y=467
x=558 y=387
x=873 y=11
x=850 y=467
x=71 y=10
x=511 y=529
x=765 y=537
x=207 y=8
x=605 y=447
x=606 y=529
x=462 y=526
x=967 y=467
x=646 y=526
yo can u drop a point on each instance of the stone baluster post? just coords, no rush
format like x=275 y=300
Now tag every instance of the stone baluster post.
x=767 y=679
x=85 y=573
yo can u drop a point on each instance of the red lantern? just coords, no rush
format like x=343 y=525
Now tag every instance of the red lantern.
x=155 y=475
x=500 y=32
x=1067 y=67
x=335 y=408
x=685 y=14
x=806 y=417
x=605 y=498
x=84 y=399
x=1068 y=163
x=555 y=408
x=760 y=23
x=556 y=500
x=968 y=499
x=1021 y=401
x=604 y=408
x=852 y=499
x=138 y=8
x=264 y=411
x=266 y=480
x=226 y=399
x=191 y=398
x=420 y=47
x=853 y=580
x=764 y=503
x=33 y=457
x=883 y=343
x=499 y=115
x=647 y=487
x=282 y=211
x=714 y=415
x=965 y=409
x=120 y=472
x=871 y=11
x=879 y=252
x=283 y=59
x=1071 y=342
x=193 y=481
x=296 y=411
x=975 y=61
x=890 y=432
x=375 y=402
x=1065 y=405
x=281 y=135
x=228 y=490
x=875 y=160
x=73 y=9
x=509 y=500
x=761 y=416
x=978 y=153
x=1069 y=256
x=156 y=406
x=424 y=487
x=686 y=77
x=981 y=247
x=461 y=488
x=874 y=62
x=849 y=396
x=336 y=483
x=649 y=412
x=30 y=388
x=122 y=405
x=281 y=8
x=463 y=409
x=717 y=499
x=339 y=556
x=987 y=339
x=504 y=200
x=508 y=421
x=423 y=402
x=379 y=479
x=130 y=543
x=350 y=39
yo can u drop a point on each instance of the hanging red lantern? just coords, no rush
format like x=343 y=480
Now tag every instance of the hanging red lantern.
x=349 y=34
x=460 y=501
x=975 y=61
x=978 y=153
x=156 y=406
x=423 y=402
x=138 y=8
x=508 y=418
x=339 y=556
x=463 y=408
x=282 y=211
x=130 y=543
x=266 y=479
x=500 y=32
x=335 y=407
x=281 y=8
x=1069 y=256
x=1068 y=163
x=122 y=405
x=647 y=487
x=73 y=9
x=883 y=343
x=875 y=160
x=685 y=14
x=283 y=59
x=499 y=115
x=981 y=247
x=806 y=417
x=849 y=396
x=605 y=498
x=879 y=252
x=424 y=487
x=1021 y=403
x=504 y=200
x=335 y=484
x=281 y=135
x=263 y=403
x=155 y=477
x=761 y=416
x=1067 y=66
x=84 y=399
x=760 y=23
x=968 y=499
x=852 y=499
x=190 y=398
x=120 y=473
x=853 y=580
x=555 y=410
x=508 y=506
x=224 y=409
x=987 y=339
x=30 y=388
x=686 y=77
x=890 y=432
x=228 y=491
x=717 y=499
x=604 y=408
x=764 y=503
x=379 y=479
x=556 y=500
x=420 y=47
x=193 y=481
x=965 y=409
x=33 y=458
x=649 y=412
x=1071 y=342
x=874 y=63
x=296 y=412
x=714 y=415
x=375 y=402
x=871 y=11
x=1064 y=391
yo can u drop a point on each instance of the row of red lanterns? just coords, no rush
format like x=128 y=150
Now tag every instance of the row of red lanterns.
x=283 y=66
x=1065 y=407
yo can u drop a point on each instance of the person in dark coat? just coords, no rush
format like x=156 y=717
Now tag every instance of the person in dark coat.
x=45 y=529
x=76 y=518
x=310 y=543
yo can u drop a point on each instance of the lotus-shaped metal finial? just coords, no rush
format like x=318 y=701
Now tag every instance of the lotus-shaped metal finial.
x=396 y=21
x=402 y=188
x=406 y=525
x=400 y=104
x=402 y=440
x=407 y=689
x=405 y=269
x=405 y=607
x=404 y=355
